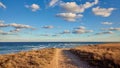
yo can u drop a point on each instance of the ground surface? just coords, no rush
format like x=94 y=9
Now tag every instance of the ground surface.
x=102 y=56
x=65 y=59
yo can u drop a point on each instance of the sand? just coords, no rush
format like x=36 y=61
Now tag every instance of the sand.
x=79 y=57
x=66 y=59
x=102 y=55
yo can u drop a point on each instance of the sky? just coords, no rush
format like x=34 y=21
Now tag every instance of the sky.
x=59 y=21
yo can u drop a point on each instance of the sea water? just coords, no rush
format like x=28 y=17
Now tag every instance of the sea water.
x=13 y=47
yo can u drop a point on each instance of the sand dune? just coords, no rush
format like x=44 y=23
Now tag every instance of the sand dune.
x=31 y=59
x=92 y=56
x=103 y=55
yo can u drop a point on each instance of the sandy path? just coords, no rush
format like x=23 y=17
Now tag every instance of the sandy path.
x=65 y=59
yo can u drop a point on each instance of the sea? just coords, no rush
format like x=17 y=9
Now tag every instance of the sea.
x=14 y=47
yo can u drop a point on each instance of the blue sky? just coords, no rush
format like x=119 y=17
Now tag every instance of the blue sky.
x=59 y=20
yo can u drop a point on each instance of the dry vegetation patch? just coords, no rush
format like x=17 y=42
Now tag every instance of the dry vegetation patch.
x=31 y=59
x=103 y=55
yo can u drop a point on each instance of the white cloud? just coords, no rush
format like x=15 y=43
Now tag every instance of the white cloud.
x=81 y=30
x=16 y=30
x=7 y=33
x=96 y=2
x=33 y=7
x=2 y=24
x=53 y=2
x=111 y=29
x=107 y=32
x=2 y=5
x=20 y=26
x=107 y=23
x=48 y=27
x=4 y=33
x=15 y=25
x=65 y=32
x=81 y=27
x=69 y=16
x=104 y=12
x=88 y=4
x=72 y=7
x=75 y=8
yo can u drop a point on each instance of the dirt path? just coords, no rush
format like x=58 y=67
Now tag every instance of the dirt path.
x=65 y=59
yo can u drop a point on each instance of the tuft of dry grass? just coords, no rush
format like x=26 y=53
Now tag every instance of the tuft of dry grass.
x=31 y=59
x=103 y=55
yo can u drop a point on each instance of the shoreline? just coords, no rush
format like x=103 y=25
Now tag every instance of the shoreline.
x=102 y=43
x=15 y=47
x=94 y=55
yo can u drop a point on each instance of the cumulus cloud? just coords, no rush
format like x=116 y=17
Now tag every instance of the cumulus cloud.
x=2 y=5
x=69 y=16
x=75 y=8
x=15 y=30
x=107 y=32
x=2 y=24
x=53 y=2
x=49 y=35
x=81 y=27
x=81 y=30
x=111 y=29
x=4 y=33
x=107 y=23
x=15 y=25
x=104 y=12
x=33 y=7
x=20 y=26
x=66 y=32
x=7 y=33
x=48 y=27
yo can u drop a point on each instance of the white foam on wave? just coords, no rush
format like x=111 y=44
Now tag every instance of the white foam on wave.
x=37 y=48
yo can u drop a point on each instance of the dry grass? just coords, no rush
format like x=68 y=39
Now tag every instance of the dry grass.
x=31 y=59
x=103 y=55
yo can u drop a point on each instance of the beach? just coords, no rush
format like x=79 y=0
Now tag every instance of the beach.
x=59 y=34
x=86 y=56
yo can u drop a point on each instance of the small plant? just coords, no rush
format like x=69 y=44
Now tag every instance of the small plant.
x=103 y=55
x=31 y=59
